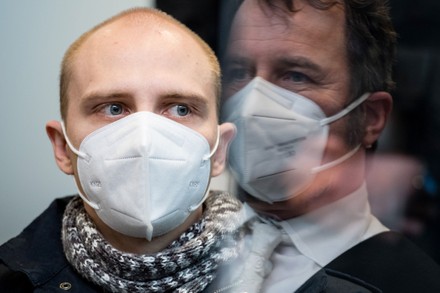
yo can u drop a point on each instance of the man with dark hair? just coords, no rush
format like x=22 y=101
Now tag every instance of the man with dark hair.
x=307 y=84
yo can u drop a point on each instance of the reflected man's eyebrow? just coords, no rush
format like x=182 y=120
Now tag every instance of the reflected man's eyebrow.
x=299 y=62
x=238 y=60
x=284 y=61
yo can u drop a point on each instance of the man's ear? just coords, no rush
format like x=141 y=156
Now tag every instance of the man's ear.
x=227 y=134
x=378 y=108
x=59 y=145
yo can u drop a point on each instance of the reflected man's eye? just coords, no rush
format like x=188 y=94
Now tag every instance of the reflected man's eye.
x=236 y=75
x=297 y=77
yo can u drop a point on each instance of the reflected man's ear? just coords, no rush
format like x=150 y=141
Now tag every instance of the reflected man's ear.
x=378 y=108
x=59 y=145
x=227 y=134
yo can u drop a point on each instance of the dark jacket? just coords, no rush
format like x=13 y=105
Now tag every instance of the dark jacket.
x=388 y=262
x=34 y=261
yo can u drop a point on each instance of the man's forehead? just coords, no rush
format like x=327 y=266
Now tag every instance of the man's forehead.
x=123 y=37
x=277 y=10
x=126 y=29
x=254 y=18
x=118 y=44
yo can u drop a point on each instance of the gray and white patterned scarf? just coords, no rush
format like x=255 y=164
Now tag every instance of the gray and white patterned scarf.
x=186 y=265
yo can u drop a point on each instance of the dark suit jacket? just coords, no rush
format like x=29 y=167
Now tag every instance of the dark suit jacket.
x=387 y=262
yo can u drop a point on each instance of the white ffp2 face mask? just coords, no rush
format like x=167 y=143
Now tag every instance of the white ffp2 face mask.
x=280 y=141
x=144 y=174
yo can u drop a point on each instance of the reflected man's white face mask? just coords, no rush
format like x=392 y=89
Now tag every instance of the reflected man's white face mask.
x=144 y=174
x=280 y=142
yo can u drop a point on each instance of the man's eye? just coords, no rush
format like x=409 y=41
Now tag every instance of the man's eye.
x=114 y=109
x=296 y=77
x=180 y=110
x=235 y=75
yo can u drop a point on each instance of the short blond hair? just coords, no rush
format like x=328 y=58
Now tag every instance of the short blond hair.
x=140 y=14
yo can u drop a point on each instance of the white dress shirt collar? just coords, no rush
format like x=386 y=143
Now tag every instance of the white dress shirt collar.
x=325 y=233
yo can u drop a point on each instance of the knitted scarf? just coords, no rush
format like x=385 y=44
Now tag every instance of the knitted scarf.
x=186 y=265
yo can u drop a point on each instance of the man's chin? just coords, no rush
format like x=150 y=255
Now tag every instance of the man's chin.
x=281 y=210
x=274 y=210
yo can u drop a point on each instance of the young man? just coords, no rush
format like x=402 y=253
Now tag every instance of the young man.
x=140 y=134
x=307 y=84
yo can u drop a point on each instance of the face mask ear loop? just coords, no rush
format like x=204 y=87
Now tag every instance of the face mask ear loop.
x=217 y=142
x=194 y=207
x=95 y=206
x=335 y=162
x=72 y=148
x=81 y=155
x=345 y=111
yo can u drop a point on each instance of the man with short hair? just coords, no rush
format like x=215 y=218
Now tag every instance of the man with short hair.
x=307 y=84
x=140 y=135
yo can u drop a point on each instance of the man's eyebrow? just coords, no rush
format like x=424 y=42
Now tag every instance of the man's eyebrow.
x=282 y=61
x=193 y=97
x=97 y=97
x=299 y=62
x=103 y=96
x=236 y=60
